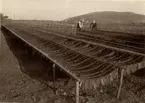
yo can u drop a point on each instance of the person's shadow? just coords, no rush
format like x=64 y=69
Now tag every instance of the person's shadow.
x=34 y=66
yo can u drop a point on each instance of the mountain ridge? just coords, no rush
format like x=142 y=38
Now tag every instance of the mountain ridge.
x=109 y=17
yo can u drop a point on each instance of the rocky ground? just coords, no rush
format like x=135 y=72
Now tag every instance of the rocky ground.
x=28 y=79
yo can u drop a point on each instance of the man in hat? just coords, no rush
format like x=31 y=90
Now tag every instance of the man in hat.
x=80 y=25
x=93 y=25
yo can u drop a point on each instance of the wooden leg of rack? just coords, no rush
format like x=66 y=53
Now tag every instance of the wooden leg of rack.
x=77 y=91
x=120 y=83
x=54 y=72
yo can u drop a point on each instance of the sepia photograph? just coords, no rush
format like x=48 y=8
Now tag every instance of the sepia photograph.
x=72 y=51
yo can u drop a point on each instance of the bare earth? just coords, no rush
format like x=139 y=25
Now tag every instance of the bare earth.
x=26 y=83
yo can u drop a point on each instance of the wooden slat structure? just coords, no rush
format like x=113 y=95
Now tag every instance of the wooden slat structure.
x=89 y=62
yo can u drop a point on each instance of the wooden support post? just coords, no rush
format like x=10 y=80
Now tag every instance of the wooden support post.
x=18 y=42
x=33 y=52
x=26 y=48
x=26 y=52
x=119 y=73
x=120 y=83
x=53 y=72
x=77 y=91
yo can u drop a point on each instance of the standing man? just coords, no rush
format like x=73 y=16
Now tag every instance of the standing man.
x=79 y=25
x=93 y=25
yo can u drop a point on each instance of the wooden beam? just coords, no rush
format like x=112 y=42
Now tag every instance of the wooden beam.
x=77 y=91
x=120 y=83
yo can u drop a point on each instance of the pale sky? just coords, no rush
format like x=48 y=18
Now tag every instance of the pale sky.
x=61 y=9
x=0 y=6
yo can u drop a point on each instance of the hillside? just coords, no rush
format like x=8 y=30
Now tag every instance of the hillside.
x=109 y=17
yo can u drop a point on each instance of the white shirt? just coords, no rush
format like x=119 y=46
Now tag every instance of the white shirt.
x=80 y=24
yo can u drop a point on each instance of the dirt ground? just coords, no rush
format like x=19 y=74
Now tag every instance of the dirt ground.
x=28 y=79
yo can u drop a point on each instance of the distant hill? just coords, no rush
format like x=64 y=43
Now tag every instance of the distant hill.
x=109 y=17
